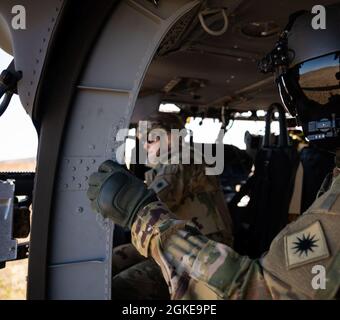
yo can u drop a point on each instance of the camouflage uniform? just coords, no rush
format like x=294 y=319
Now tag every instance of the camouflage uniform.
x=140 y=278
x=195 y=267
x=191 y=195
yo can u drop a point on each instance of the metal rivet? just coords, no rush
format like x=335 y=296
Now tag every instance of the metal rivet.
x=74 y=168
x=80 y=209
x=92 y=146
x=79 y=185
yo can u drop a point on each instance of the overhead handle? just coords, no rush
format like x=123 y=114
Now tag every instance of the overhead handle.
x=283 y=136
x=204 y=13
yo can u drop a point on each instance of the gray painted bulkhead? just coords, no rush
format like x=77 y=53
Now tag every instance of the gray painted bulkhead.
x=80 y=241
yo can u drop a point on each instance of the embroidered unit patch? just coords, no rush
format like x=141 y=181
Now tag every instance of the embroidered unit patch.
x=305 y=246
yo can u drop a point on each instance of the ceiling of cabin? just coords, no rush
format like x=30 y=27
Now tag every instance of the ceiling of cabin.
x=193 y=68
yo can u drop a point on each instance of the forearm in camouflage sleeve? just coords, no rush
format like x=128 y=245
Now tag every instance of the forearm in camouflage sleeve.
x=194 y=266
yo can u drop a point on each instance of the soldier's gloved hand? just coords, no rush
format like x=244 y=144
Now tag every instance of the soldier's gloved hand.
x=117 y=194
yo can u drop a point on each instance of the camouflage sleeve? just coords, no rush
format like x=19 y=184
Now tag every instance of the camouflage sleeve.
x=194 y=266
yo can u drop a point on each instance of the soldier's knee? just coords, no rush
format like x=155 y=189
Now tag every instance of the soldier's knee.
x=123 y=257
x=141 y=281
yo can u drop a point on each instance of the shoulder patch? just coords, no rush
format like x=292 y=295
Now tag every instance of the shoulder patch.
x=159 y=185
x=305 y=246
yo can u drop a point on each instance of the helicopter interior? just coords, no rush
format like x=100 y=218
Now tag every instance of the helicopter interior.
x=122 y=60
x=212 y=74
x=203 y=72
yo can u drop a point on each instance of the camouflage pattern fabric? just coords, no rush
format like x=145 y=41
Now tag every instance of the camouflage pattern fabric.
x=136 y=277
x=142 y=281
x=196 y=267
x=123 y=257
x=192 y=195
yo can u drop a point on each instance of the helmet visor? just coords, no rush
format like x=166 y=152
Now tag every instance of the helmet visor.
x=319 y=79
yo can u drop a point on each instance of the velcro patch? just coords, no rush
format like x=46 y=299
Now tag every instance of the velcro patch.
x=305 y=246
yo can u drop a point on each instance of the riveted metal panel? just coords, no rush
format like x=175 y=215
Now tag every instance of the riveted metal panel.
x=104 y=103
x=72 y=273
x=94 y=121
x=29 y=46
x=82 y=230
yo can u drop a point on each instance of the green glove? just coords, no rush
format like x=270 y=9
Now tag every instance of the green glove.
x=117 y=194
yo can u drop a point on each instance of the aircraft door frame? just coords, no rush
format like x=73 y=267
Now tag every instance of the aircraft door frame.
x=78 y=255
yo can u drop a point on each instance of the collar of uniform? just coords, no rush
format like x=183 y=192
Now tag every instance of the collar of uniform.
x=336 y=180
x=176 y=156
x=336 y=172
x=179 y=157
x=331 y=199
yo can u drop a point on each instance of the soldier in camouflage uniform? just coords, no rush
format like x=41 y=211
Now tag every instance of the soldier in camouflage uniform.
x=303 y=261
x=196 y=267
x=186 y=189
x=189 y=193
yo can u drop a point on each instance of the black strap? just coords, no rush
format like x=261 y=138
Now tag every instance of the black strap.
x=293 y=17
x=8 y=83
x=283 y=137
